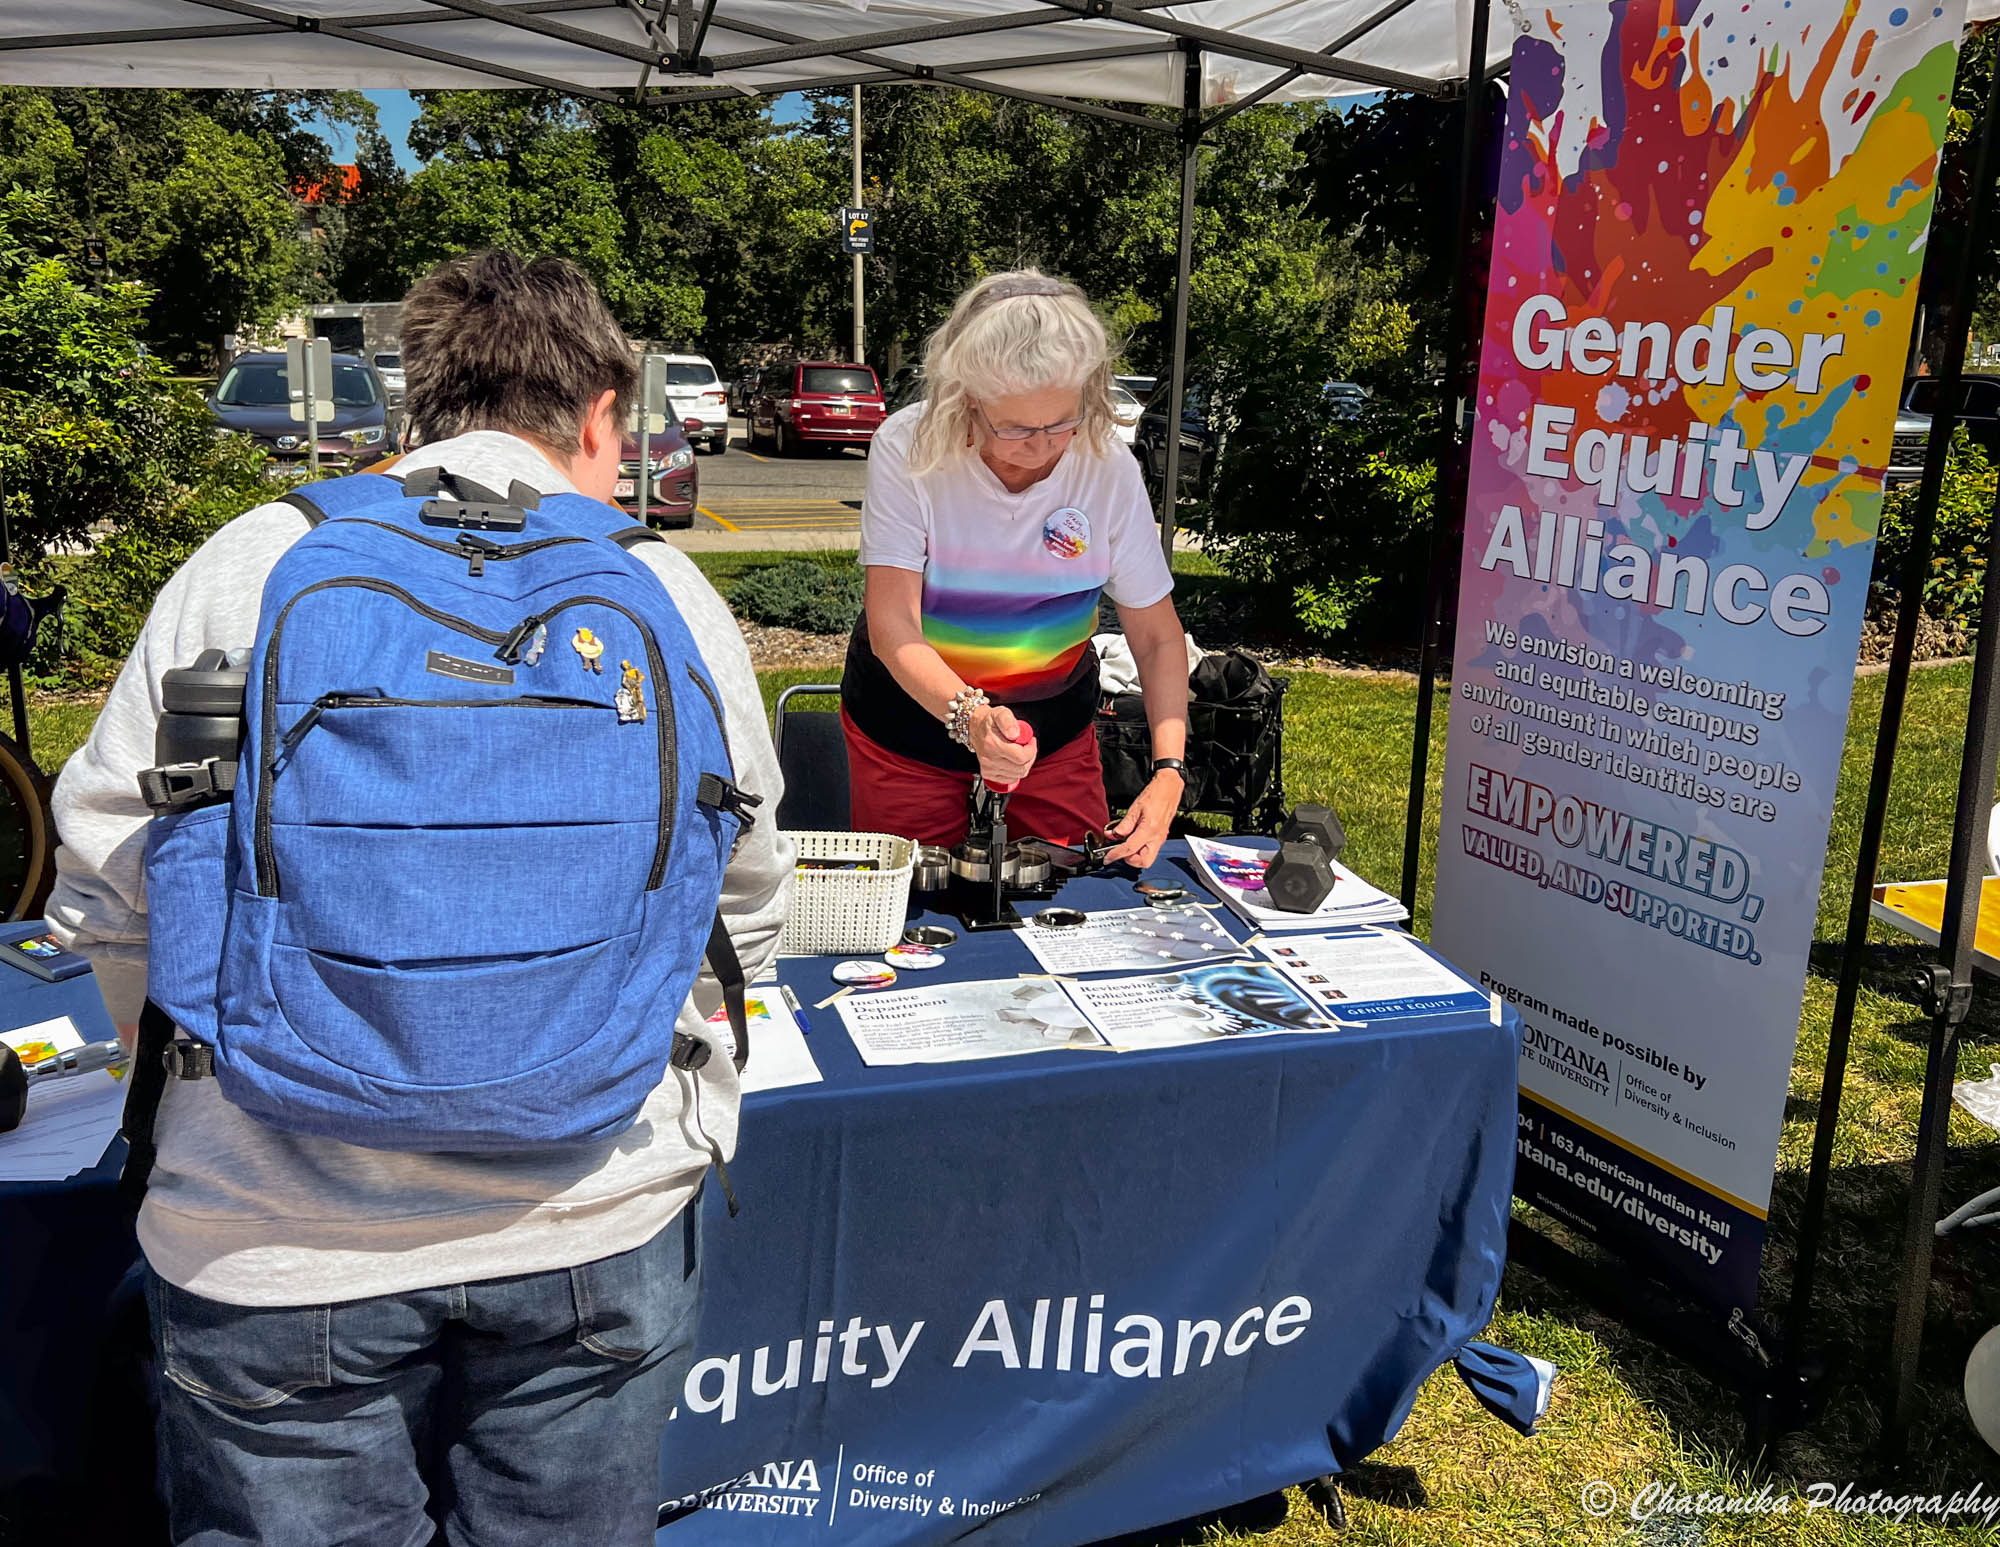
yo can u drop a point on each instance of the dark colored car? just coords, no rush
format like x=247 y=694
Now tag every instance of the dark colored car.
x=742 y=389
x=1978 y=408
x=254 y=398
x=815 y=403
x=675 y=489
x=1201 y=439
x=905 y=387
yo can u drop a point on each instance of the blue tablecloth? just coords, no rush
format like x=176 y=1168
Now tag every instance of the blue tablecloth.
x=1333 y=1206
x=1312 y=1223
x=64 y=1246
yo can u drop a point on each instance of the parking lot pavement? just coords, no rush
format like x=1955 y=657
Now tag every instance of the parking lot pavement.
x=747 y=494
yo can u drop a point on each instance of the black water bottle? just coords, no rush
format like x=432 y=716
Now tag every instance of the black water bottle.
x=201 y=711
x=199 y=734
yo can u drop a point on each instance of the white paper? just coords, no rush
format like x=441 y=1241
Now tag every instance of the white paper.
x=1356 y=971
x=779 y=1056
x=1131 y=940
x=60 y=1033
x=958 y=1021
x=1197 y=1005
x=71 y=1119
x=1352 y=900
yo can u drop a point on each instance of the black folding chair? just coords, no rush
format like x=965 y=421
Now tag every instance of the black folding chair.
x=812 y=755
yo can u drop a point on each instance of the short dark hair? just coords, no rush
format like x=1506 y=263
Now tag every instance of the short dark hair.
x=492 y=341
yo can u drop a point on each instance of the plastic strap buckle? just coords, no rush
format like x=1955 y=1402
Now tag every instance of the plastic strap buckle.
x=180 y=785
x=719 y=794
x=186 y=1060
x=690 y=1053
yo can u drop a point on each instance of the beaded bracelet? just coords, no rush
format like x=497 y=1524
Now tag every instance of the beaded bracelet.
x=958 y=714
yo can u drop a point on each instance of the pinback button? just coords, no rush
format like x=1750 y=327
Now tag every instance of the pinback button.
x=864 y=974
x=914 y=958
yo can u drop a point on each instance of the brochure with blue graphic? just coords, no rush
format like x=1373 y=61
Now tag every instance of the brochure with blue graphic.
x=1360 y=976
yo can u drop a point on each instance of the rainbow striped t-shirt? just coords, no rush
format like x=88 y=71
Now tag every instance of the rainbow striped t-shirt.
x=1011 y=581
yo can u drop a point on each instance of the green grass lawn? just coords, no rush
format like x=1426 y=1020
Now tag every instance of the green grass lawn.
x=1624 y=1412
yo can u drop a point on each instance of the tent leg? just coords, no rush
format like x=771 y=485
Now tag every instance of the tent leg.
x=1470 y=159
x=1916 y=568
x=1190 y=136
x=1948 y=991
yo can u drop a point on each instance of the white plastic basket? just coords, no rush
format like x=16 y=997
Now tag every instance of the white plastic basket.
x=849 y=911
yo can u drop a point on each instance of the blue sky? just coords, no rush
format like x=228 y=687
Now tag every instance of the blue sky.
x=397 y=110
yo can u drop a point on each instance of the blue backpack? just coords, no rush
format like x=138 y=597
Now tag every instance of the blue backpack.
x=472 y=858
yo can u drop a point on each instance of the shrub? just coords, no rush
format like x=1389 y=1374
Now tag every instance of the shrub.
x=1956 y=583
x=1332 y=513
x=801 y=594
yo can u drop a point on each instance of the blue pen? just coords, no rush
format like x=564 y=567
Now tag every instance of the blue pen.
x=799 y=1015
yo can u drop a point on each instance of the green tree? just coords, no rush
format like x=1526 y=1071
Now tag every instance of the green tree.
x=95 y=445
x=192 y=192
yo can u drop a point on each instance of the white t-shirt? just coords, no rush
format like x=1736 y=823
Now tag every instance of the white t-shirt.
x=1011 y=581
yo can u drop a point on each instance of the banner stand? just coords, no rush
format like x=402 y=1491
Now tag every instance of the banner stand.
x=1776 y=1376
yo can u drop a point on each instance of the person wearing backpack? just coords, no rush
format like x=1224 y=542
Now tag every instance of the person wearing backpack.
x=426 y=972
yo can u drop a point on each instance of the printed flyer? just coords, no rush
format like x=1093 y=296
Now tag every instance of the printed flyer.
x=1705 y=263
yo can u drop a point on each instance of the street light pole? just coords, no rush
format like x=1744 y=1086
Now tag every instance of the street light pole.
x=860 y=358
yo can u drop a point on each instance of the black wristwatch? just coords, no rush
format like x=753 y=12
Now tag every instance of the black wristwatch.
x=1171 y=762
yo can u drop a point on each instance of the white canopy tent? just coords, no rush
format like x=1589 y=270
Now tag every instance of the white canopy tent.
x=1111 y=50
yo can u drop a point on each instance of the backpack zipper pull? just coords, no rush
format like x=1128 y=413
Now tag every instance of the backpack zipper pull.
x=477 y=549
x=510 y=649
x=302 y=725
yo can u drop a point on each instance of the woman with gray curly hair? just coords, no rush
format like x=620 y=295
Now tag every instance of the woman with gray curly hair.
x=998 y=511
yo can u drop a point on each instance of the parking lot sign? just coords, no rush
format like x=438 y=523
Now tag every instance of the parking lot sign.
x=857 y=230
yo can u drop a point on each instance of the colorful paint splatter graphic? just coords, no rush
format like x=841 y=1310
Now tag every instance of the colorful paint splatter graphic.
x=1711 y=224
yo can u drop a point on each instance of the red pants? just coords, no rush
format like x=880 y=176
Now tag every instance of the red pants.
x=1061 y=799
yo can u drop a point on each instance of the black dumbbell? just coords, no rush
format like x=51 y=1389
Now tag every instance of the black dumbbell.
x=1302 y=874
x=1315 y=824
x=1300 y=877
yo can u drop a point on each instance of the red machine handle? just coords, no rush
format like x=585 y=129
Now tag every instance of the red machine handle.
x=1021 y=737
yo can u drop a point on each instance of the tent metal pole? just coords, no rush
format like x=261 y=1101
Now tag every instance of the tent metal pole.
x=1235 y=46
x=1916 y=569
x=918 y=75
x=1353 y=35
x=1471 y=157
x=1190 y=134
x=795 y=46
x=334 y=28
x=561 y=32
x=1948 y=991
x=267 y=29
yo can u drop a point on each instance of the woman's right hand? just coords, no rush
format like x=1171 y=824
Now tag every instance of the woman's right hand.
x=1002 y=760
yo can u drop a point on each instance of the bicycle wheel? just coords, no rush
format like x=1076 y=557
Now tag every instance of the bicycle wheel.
x=27 y=835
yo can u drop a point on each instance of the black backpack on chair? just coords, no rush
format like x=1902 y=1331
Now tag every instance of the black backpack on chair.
x=1236 y=741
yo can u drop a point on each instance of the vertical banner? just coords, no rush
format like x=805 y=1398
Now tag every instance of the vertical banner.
x=1710 y=228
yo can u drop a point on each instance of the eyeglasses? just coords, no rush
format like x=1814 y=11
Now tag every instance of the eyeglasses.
x=1030 y=431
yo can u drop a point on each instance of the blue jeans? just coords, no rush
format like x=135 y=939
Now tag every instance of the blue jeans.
x=518 y=1412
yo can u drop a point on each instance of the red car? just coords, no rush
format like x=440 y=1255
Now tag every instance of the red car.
x=675 y=489
x=815 y=403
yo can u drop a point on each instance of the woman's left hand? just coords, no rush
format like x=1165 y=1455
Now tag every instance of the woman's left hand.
x=1144 y=828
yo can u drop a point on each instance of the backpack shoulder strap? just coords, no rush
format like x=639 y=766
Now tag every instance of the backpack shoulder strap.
x=629 y=537
x=335 y=497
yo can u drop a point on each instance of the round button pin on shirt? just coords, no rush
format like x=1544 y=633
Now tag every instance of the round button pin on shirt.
x=864 y=974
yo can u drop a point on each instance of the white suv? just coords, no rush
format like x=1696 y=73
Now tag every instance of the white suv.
x=700 y=400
